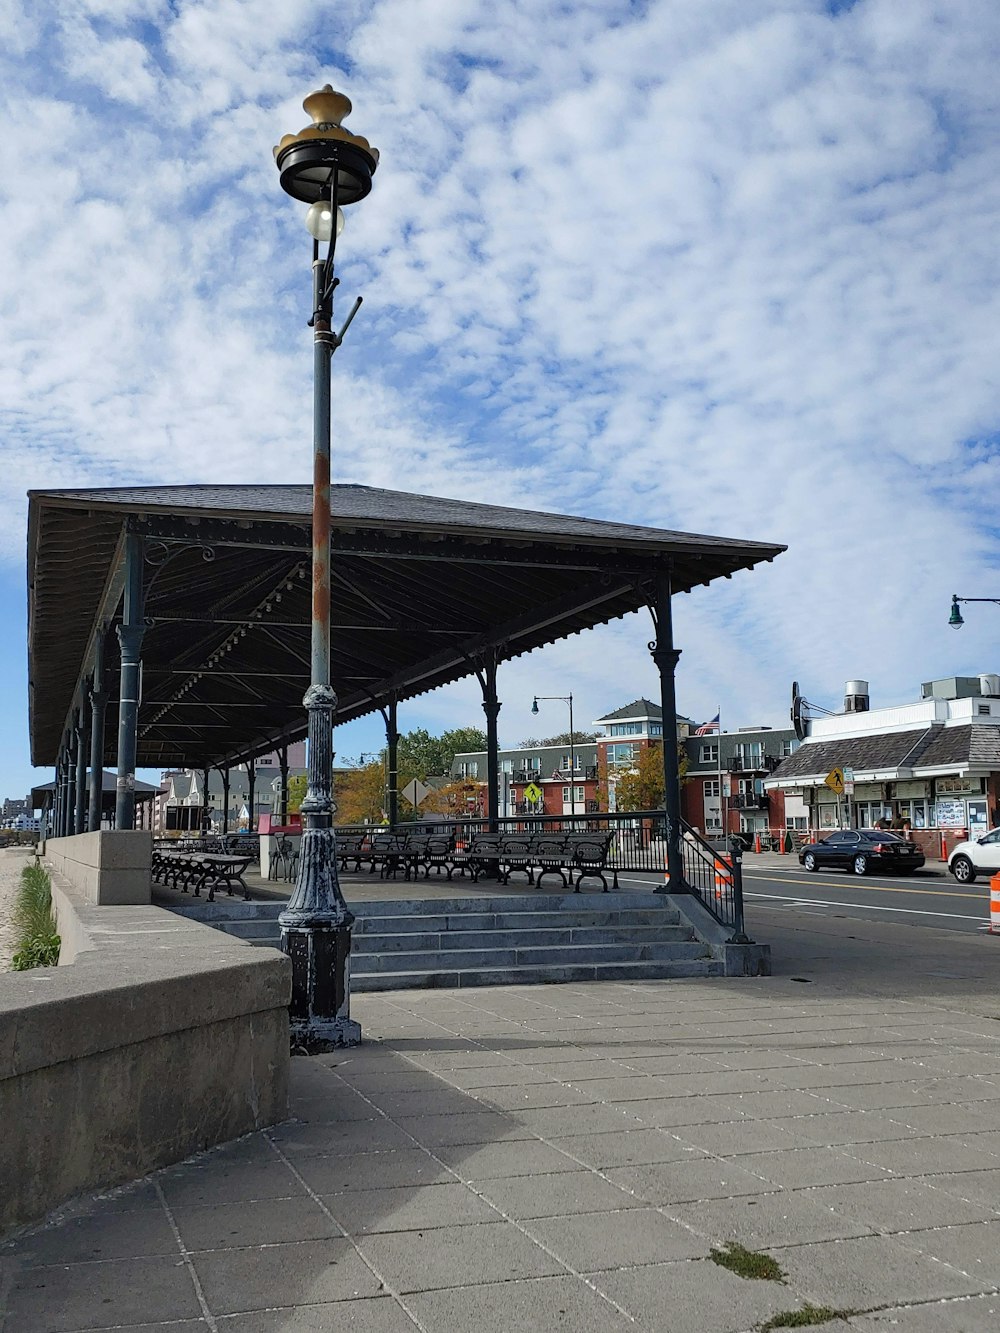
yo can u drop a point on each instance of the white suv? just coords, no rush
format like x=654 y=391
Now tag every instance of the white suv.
x=978 y=856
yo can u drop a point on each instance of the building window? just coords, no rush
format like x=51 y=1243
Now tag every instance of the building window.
x=625 y=729
x=709 y=754
x=470 y=769
x=656 y=728
x=577 y=795
x=750 y=754
x=506 y=765
x=621 y=754
x=564 y=763
x=788 y=748
x=712 y=787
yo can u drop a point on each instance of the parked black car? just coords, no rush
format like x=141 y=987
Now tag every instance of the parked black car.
x=862 y=850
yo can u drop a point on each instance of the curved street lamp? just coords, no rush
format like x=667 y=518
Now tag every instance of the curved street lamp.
x=566 y=699
x=328 y=168
x=955 y=619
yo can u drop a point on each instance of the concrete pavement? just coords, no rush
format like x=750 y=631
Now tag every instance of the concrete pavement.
x=569 y=1156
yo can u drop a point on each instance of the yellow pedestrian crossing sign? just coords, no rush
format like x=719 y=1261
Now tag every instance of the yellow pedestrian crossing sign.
x=532 y=793
x=835 y=780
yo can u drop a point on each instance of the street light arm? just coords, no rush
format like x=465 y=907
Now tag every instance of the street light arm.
x=955 y=619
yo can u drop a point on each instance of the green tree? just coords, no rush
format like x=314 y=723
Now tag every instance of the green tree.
x=296 y=792
x=642 y=788
x=360 y=794
x=563 y=738
x=421 y=755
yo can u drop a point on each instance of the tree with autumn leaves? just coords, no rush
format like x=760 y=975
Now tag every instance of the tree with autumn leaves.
x=641 y=787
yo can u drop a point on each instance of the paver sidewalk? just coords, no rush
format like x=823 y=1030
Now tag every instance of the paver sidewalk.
x=566 y=1157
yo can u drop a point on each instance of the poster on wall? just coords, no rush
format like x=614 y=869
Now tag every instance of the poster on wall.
x=950 y=814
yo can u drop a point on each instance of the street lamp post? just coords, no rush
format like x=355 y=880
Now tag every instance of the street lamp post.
x=955 y=619
x=566 y=699
x=326 y=167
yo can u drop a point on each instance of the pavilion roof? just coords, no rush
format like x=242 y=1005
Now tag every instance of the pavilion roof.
x=422 y=587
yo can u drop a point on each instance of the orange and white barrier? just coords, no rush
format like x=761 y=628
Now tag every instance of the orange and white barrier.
x=756 y=842
x=723 y=880
x=944 y=846
x=995 y=905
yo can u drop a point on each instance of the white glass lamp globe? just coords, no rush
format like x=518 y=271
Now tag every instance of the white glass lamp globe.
x=318 y=220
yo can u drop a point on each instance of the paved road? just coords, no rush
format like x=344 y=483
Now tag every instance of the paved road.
x=928 y=897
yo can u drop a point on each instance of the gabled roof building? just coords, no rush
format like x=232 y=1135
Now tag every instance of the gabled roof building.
x=934 y=762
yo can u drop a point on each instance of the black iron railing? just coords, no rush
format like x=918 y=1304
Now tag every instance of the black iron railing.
x=711 y=871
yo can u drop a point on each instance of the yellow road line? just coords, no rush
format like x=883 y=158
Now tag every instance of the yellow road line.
x=870 y=888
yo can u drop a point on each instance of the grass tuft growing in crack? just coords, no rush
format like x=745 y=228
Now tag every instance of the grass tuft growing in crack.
x=747 y=1263
x=804 y=1318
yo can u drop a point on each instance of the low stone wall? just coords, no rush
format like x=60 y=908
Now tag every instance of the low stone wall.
x=109 y=868
x=160 y=1038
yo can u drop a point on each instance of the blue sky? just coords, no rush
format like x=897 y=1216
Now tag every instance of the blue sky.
x=719 y=267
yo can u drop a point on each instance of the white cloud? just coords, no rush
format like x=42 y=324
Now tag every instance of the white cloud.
x=715 y=267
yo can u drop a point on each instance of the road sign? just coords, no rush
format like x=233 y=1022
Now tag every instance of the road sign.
x=727 y=785
x=848 y=774
x=835 y=780
x=532 y=793
x=415 y=792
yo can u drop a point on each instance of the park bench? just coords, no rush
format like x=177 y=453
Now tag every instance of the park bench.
x=194 y=871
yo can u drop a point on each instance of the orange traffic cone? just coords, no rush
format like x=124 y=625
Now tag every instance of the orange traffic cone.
x=995 y=905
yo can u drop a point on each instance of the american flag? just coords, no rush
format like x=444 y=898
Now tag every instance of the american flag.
x=707 y=727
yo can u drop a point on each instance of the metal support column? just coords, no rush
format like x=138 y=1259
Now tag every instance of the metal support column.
x=225 y=799
x=205 y=817
x=80 y=810
x=666 y=657
x=130 y=636
x=57 y=799
x=283 y=795
x=98 y=703
x=73 y=749
x=391 y=762
x=491 y=707
x=251 y=792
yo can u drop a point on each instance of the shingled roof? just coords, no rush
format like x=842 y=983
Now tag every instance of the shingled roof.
x=423 y=586
x=921 y=751
x=870 y=753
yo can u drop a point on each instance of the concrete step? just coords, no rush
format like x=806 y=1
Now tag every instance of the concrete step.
x=413 y=941
x=537 y=975
x=526 y=956
x=502 y=941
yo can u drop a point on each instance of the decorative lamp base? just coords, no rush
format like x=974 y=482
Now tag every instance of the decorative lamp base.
x=319 y=1013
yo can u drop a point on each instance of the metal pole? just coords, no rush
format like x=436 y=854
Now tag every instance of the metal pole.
x=491 y=707
x=225 y=800
x=666 y=657
x=572 y=762
x=57 y=799
x=130 y=636
x=392 y=762
x=98 y=702
x=283 y=795
x=316 y=924
x=80 y=813
x=73 y=749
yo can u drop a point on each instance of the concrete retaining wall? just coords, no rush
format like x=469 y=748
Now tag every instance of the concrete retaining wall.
x=160 y=1039
x=109 y=868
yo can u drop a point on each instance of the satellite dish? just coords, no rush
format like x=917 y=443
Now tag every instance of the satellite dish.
x=798 y=704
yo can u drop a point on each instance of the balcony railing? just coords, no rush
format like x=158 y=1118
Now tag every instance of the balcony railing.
x=756 y=801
